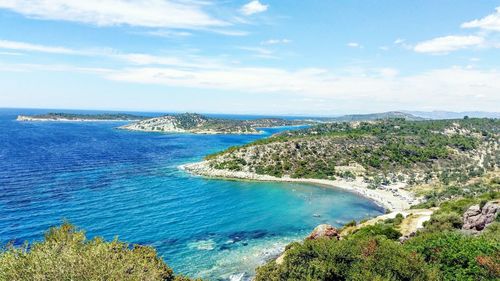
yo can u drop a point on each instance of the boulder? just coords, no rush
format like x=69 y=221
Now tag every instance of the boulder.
x=324 y=230
x=477 y=218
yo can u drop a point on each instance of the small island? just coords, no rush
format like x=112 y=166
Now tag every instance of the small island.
x=201 y=124
x=80 y=117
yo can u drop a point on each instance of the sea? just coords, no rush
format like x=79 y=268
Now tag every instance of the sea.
x=116 y=183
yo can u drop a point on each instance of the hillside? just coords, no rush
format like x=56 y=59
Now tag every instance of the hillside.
x=375 y=116
x=414 y=155
x=201 y=124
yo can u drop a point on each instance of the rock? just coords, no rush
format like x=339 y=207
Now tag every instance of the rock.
x=476 y=219
x=324 y=230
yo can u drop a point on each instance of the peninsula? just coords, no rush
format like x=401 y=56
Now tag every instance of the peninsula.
x=396 y=163
x=80 y=117
x=201 y=124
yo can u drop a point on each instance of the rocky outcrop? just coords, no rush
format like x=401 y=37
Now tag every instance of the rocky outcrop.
x=320 y=231
x=477 y=218
x=324 y=230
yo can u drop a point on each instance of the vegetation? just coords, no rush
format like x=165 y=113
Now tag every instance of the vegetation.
x=195 y=123
x=66 y=254
x=445 y=152
x=375 y=116
x=457 y=256
x=97 y=117
x=360 y=258
x=373 y=252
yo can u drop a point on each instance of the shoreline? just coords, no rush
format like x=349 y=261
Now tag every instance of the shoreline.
x=182 y=131
x=392 y=197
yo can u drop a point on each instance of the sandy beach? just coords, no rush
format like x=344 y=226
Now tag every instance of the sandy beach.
x=391 y=197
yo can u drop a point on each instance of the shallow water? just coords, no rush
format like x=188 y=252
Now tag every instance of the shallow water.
x=127 y=184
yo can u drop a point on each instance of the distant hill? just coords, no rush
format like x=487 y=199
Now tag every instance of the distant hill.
x=453 y=115
x=375 y=116
x=201 y=124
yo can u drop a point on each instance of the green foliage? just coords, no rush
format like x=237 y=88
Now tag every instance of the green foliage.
x=449 y=215
x=388 y=150
x=379 y=229
x=361 y=258
x=66 y=254
x=72 y=116
x=492 y=232
x=351 y=223
x=443 y=221
x=397 y=220
x=457 y=256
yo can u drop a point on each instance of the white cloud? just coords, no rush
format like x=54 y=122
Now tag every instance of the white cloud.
x=106 y=53
x=22 y=46
x=446 y=44
x=10 y=54
x=353 y=45
x=145 y=13
x=275 y=41
x=259 y=52
x=253 y=7
x=229 y=32
x=490 y=22
x=454 y=87
x=168 y=33
x=399 y=41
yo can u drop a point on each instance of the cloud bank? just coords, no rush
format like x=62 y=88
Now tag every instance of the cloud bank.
x=143 y=13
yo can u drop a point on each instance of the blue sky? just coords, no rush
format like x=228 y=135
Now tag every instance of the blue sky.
x=263 y=57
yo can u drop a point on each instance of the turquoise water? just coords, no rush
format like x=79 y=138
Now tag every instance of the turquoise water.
x=127 y=184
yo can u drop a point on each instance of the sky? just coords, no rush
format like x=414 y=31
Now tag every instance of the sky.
x=291 y=57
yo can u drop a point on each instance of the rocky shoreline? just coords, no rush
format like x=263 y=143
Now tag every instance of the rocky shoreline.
x=392 y=197
x=174 y=130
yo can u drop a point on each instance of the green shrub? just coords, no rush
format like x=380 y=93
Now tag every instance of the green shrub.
x=457 y=256
x=492 y=232
x=443 y=221
x=398 y=219
x=66 y=254
x=383 y=229
x=351 y=223
x=363 y=258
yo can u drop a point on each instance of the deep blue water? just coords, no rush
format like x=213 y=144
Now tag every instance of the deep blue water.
x=127 y=184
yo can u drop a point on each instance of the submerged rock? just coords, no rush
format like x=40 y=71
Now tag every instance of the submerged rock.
x=324 y=230
x=477 y=218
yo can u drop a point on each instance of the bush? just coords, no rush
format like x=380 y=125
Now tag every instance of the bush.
x=363 y=258
x=378 y=229
x=66 y=254
x=457 y=256
x=443 y=221
x=351 y=223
